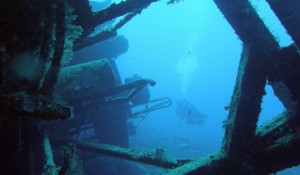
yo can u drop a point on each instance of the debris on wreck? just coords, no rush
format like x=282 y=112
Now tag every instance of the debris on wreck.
x=51 y=34
x=157 y=157
x=246 y=149
x=80 y=83
x=35 y=107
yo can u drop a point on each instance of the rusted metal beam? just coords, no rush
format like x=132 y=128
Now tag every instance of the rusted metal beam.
x=259 y=45
x=113 y=11
x=284 y=77
x=51 y=75
x=122 y=8
x=277 y=145
x=157 y=158
x=246 y=23
x=40 y=69
x=288 y=13
x=245 y=103
x=107 y=33
x=217 y=163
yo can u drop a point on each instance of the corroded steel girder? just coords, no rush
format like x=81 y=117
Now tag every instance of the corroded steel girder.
x=288 y=13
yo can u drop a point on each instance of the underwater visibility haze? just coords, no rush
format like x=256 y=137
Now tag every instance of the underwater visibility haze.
x=193 y=54
x=140 y=87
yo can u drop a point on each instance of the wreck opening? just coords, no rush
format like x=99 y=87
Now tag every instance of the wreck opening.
x=129 y=86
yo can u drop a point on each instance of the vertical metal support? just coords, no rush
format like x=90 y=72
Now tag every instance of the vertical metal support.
x=259 y=44
x=52 y=73
x=40 y=67
x=246 y=102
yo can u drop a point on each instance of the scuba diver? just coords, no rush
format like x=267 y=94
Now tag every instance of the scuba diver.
x=187 y=111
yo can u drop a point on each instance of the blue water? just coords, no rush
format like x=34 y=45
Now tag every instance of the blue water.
x=192 y=53
x=189 y=33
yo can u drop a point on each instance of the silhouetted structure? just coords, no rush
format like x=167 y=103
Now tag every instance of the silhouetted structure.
x=35 y=34
x=30 y=28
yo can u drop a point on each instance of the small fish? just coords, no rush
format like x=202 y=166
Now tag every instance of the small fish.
x=146 y=106
x=189 y=112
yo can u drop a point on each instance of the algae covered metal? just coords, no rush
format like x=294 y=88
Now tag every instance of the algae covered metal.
x=51 y=91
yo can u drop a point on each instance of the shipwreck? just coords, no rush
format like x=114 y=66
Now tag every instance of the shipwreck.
x=42 y=105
